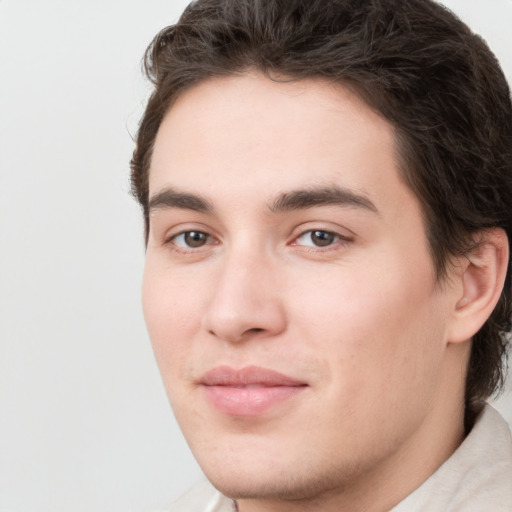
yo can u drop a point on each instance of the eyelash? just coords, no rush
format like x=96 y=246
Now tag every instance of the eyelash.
x=332 y=238
x=185 y=247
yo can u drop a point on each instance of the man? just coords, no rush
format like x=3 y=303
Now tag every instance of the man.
x=326 y=189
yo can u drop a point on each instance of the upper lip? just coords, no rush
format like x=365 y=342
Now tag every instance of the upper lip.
x=247 y=376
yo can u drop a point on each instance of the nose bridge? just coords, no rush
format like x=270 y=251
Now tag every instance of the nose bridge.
x=245 y=299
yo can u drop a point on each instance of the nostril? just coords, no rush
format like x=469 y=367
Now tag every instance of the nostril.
x=248 y=332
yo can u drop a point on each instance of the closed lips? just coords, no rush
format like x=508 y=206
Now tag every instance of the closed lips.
x=250 y=391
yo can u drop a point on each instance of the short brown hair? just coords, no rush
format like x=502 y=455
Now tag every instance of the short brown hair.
x=415 y=63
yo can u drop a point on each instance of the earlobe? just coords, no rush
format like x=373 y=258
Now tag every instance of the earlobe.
x=482 y=281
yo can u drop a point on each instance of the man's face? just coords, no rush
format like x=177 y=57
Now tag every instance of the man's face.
x=289 y=292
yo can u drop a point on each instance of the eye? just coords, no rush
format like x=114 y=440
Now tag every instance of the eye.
x=191 y=239
x=318 y=238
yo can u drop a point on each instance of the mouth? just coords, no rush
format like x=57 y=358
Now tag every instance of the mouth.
x=249 y=391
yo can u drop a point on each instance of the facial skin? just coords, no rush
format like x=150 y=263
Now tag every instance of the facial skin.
x=336 y=290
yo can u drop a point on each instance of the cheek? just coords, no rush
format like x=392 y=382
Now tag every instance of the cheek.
x=172 y=311
x=381 y=342
x=374 y=320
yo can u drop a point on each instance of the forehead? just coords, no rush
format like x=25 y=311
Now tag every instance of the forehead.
x=248 y=135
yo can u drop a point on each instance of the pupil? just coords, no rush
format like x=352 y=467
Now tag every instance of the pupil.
x=195 y=238
x=322 y=238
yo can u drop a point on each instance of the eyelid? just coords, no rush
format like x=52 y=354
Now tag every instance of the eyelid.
x=312 y=231
x=208 y=237
x=306 y=227
x=342 y=238
x=171 y=234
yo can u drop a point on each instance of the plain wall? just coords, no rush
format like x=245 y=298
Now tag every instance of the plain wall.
x=84 y=421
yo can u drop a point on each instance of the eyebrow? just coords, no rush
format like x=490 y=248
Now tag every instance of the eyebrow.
x=311 y=197
x=170 y=198
x=293 y=200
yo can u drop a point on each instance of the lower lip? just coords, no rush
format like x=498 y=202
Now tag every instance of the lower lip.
x=239 y=401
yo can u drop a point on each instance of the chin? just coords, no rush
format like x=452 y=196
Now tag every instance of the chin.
x=258 y=488
x=289 y=482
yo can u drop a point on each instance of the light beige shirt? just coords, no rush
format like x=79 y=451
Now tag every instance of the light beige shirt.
x=476 y=478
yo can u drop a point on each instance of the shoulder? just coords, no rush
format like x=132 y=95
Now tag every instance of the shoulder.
x=202 y=497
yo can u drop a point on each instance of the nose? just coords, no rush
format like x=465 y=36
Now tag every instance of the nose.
x=246 y=301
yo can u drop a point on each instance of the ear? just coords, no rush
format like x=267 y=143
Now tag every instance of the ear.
x=481 y=279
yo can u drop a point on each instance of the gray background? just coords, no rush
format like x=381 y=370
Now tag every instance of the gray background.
x=84 y=421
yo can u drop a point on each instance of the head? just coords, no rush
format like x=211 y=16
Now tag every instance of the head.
x=411 y=70
x=416 y=64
